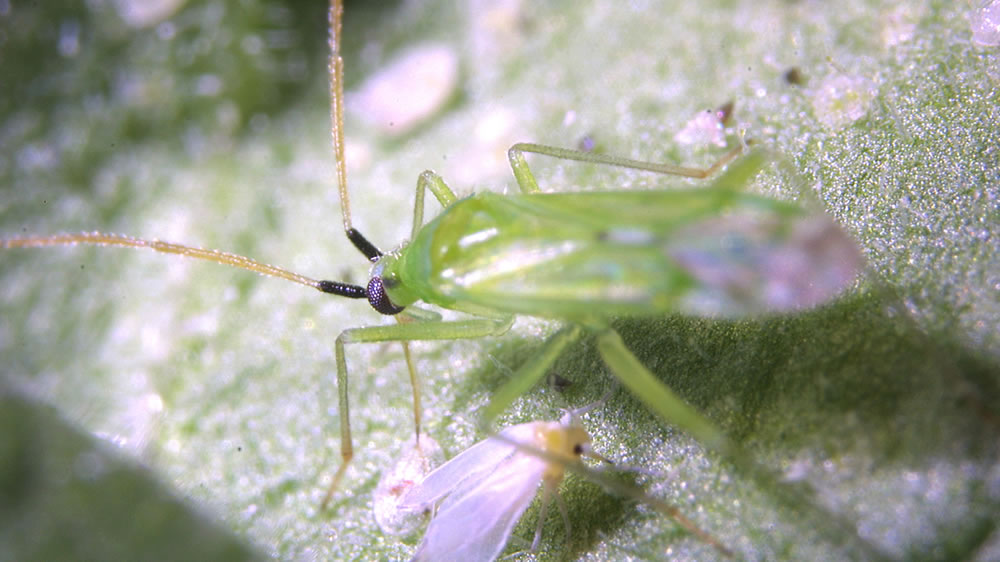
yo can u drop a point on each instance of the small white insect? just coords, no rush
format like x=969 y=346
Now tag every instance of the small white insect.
x=489 y=486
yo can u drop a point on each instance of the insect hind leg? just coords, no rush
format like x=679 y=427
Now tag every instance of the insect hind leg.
x=526 y=179
x=657 y=396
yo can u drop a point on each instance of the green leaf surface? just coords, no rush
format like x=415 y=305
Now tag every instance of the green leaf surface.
x=208 y=124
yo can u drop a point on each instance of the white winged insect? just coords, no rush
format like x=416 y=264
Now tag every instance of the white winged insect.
x=487 y=487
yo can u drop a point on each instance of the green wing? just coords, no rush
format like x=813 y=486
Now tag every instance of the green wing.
x=604 y=254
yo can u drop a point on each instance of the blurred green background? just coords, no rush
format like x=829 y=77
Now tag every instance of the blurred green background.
x=207 y=123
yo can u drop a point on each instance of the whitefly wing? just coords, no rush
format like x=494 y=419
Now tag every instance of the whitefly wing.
x=473 y=464
x=476 y=520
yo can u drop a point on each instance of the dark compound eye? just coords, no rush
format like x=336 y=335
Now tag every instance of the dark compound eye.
x=578 y=449
x=379 y=300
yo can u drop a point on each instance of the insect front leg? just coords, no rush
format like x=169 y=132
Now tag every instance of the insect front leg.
x=443 y=193
x=404 y=332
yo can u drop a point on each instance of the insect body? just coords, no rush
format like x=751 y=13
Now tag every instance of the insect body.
x=599 y=255
x=487 y=487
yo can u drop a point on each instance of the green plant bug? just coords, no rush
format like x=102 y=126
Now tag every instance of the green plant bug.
x=600 y=234
x=581 y=257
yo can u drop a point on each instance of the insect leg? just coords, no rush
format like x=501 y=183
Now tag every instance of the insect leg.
x=657 y=396
x=548 y=492
x=415 y=386
x=405 y=332
x=800 y=499
x=530 y=373
x=567 y=527
x=445 y=197
x=526 y=180
x=443 y=193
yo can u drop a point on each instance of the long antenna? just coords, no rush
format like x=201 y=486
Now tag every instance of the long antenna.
x=370 y=251
x=217 y=256
x=336 y=71
x=336 y=68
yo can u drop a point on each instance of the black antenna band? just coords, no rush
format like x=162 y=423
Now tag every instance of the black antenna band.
x=363 y=245
x=343 y=289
